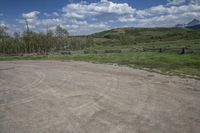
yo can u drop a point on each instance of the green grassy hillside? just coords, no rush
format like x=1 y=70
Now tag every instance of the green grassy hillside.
x=147 y=38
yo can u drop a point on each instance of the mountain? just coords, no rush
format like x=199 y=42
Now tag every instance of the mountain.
x=180 y=26
x=194 y=22
x=194 y=27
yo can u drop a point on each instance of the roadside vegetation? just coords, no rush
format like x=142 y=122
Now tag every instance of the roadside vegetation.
x=166 y=50
x=30 y=42
x=168 y=63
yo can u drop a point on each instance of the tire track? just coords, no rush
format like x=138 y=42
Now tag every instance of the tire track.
x=26 y=87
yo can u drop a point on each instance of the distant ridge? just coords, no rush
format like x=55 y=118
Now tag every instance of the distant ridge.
x=194 y=24
x=180 y=25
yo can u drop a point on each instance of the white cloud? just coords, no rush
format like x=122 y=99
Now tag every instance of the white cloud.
x=83 y=10
x=127 y=18
x=104 y=0
x=47 y=14
x=176 y=2
x=197 y=2
x=74 y=21
x=167 y=16
x=31 y=17
x=32 y=14
x=56 y=14
x=83 y=17
x=156 y=10
x=88 y=28
x=86 y=18
x=2 y=24
x=52 y=21
x=51 y=14
x=10 y=28
x=162 y=10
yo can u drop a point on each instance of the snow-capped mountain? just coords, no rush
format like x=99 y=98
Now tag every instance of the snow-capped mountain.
x=194 y=24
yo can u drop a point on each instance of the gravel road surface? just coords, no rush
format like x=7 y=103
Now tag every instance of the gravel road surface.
x=79 y=97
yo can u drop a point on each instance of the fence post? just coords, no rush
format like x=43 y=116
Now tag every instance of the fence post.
x=160 y=50
x=183 y=51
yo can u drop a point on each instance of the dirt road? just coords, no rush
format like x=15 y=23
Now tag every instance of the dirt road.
x=78 y=97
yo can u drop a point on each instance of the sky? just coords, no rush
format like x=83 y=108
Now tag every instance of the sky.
x=82 y=17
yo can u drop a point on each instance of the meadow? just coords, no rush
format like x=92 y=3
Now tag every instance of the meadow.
x=134 y=47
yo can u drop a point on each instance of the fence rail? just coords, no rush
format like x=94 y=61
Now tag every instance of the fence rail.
x=169 y=50
x=159 y=50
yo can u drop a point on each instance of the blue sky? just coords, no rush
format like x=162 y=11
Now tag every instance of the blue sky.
x=89 y=16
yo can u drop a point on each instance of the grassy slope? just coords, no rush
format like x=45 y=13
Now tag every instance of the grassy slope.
x=147 y=38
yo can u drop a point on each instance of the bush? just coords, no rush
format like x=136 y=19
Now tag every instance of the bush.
x=113 y=51
x=90 y=52
x=66 y=53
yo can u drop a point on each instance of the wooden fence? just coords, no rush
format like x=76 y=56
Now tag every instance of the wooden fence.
x=173 y=50
x=160 y=50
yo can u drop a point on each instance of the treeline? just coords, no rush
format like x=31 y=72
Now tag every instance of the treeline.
x=41 y=43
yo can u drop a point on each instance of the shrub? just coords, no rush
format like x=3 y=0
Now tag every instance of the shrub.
x=66 y=53
x=90 y=52
x=113 y=51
